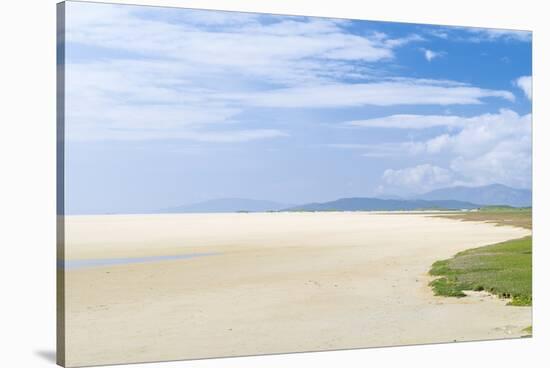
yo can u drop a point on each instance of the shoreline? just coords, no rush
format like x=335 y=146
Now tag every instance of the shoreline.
x=264 y=212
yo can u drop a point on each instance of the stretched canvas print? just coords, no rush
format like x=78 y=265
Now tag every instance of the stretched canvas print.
x=236 y=184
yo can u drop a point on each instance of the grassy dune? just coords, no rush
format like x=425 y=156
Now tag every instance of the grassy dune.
x=504 y=269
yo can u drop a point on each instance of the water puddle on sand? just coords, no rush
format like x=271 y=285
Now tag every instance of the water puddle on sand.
x=86 y=263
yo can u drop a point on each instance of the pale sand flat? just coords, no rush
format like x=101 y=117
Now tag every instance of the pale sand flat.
x=283 y=282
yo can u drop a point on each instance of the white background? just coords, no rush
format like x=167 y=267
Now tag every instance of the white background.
x=27 y=181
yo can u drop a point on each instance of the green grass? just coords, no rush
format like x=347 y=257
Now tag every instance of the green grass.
x=503 y=269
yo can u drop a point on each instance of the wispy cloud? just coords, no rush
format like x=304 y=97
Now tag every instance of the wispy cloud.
x=164 y=77
x=477 y=35
x=403 y=121
x=492 y=34
x=286 y=50
x=170 y=78
x=228 y=136
x=381 y=150
x=376 y=93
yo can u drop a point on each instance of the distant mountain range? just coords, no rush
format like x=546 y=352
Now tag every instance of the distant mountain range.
x=453 y=198
x=376 y=204
x=227 y=205
x=488 y=195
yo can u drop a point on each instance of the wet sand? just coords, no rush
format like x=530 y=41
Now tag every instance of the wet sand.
x=272 y=283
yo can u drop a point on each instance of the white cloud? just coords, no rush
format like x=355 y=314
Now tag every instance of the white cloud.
x=525 y=83
x=482 y=134
x=477 y=150
x=430 y=54
x=508 y=162
x=416 y=179
x=474 y=136
x=494 y=150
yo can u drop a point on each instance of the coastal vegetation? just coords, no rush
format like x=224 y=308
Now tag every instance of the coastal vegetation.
x=504 y=269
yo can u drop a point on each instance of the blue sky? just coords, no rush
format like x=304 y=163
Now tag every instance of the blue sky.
x=169 y=106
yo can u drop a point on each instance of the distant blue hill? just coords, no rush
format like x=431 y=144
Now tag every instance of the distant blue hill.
x=489 y=195
x=453 y=198
x=377 y=204
x=226 y=205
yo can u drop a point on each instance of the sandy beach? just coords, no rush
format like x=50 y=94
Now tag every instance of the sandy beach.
x=269 y=283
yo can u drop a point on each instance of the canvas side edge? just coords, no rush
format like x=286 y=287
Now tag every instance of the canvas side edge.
x=60 y=185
